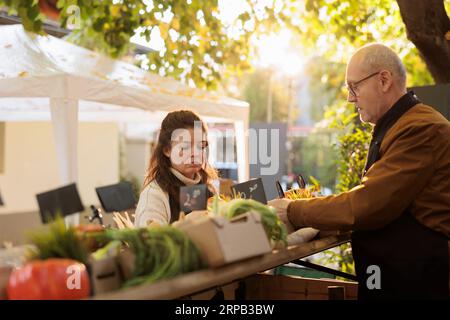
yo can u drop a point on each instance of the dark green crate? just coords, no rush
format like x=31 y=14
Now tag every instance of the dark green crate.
x=302 y=272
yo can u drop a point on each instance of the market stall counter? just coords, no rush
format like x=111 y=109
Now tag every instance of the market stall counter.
x=199 y=281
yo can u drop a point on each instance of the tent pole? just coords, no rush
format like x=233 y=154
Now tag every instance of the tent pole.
x=242 y=136
x=64 y=114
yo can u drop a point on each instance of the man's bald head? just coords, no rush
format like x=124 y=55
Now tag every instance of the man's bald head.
x=376 y=79
x=376 y=57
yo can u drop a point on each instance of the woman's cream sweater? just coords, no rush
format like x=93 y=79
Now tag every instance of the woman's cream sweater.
x=153 y=204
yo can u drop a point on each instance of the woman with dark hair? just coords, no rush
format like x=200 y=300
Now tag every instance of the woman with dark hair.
x=180 y=159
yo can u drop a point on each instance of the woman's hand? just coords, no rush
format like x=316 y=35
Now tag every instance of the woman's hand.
x=122 y=221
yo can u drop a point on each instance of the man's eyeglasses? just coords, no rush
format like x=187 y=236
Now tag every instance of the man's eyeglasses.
x=352 y=87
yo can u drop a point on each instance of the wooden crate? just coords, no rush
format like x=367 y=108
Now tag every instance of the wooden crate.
x=280 y=287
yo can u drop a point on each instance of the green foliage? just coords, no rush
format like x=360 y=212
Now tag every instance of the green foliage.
x=352 y=144
x=326 y=79
x=200 y=46
x=256 y=91
x=106 y=26
x=58 y=241
x=335 y=29
x=28 y=11
x=315 y=155
x=197 y=44
x=341 y=257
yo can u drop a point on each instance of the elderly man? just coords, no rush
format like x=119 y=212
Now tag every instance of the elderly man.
x=400 y=213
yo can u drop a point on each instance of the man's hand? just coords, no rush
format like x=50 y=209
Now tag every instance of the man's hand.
x=281 y=206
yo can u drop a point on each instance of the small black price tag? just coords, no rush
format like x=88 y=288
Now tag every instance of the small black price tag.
x=193 y=198
x=253 y=189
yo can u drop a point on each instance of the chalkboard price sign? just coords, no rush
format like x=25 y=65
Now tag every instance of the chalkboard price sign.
x=116 y=197
x=64 y=201
x=193 y=198
x=253 y=189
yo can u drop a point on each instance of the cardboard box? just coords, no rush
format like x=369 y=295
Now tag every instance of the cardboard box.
x=105 y=275
x=223 y=241
x=278 y=287
x=126 y=261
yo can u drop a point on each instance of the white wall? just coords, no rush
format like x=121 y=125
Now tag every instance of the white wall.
x=137 y=156
x=30 y=164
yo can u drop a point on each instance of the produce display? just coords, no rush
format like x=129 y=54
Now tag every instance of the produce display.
x=304 y=193
x=296 y=194
x=141 y=255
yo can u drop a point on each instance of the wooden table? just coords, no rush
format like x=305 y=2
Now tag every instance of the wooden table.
x=198 y=281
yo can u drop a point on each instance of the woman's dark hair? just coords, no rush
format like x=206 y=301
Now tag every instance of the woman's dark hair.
x=159 y=166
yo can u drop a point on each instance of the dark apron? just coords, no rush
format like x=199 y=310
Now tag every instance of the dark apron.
x=412 y=259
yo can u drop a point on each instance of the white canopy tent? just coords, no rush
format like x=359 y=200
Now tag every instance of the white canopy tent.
x=43 y=72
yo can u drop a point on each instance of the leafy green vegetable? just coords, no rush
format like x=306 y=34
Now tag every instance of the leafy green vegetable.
x=160 y=253
x=275 y=229
x=101 y=253
x=58 y=241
